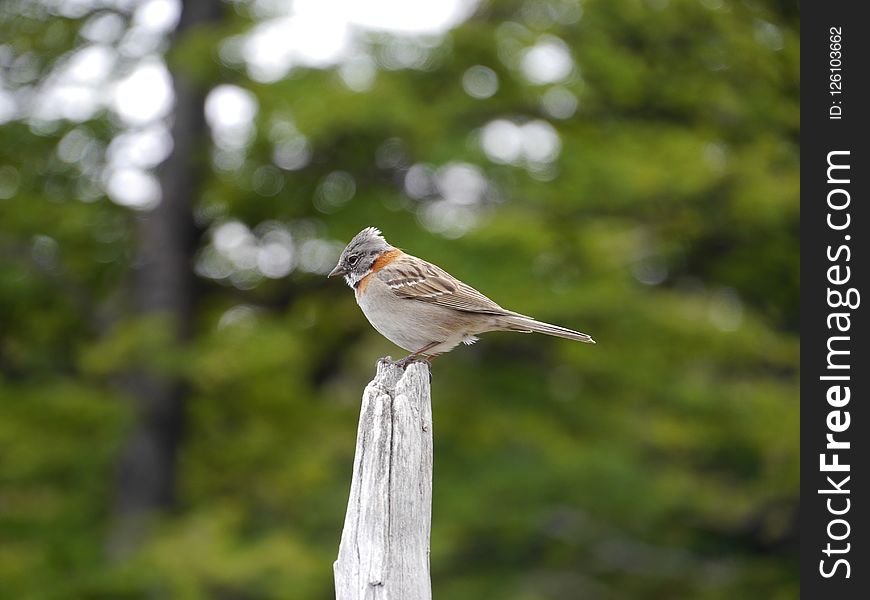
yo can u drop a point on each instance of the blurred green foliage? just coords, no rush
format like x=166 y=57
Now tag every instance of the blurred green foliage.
x=661 y=463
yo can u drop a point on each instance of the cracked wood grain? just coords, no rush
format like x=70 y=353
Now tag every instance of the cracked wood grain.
x=384 y=549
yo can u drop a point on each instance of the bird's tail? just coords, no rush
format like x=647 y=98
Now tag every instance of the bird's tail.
x=528 y=325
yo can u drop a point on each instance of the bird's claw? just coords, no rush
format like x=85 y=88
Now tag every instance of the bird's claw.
x=409 y=360
x=404 y=362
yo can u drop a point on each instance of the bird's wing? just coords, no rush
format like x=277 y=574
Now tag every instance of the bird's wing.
x=415 y=279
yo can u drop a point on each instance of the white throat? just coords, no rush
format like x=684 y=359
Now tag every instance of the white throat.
x=353 y=278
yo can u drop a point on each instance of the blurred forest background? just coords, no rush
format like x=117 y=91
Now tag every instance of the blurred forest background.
x=180 y=384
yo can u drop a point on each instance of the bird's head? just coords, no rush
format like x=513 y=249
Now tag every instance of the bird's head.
x=357 y=258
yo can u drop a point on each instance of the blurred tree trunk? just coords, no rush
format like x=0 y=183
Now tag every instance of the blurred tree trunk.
x=164 y=285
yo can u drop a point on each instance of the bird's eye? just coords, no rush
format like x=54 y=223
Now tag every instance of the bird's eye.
x=352 y=259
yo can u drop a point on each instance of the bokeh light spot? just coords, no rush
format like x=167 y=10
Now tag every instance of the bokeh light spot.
x=480 y=82
x=559 y=103
x=145 y=95
x=230 y=112
x=548 y=61
x=133 y=188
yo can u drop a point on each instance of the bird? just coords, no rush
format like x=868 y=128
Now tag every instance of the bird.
x=419 y=306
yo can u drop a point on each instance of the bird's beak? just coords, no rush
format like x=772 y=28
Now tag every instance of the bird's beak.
x=338 y=270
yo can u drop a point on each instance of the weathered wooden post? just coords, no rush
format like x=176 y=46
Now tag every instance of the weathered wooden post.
x=384 y=550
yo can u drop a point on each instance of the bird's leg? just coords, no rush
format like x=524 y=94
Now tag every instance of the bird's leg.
x=413 y=356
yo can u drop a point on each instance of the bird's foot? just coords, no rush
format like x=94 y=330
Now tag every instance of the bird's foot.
x=404 y=362
x=411 y=358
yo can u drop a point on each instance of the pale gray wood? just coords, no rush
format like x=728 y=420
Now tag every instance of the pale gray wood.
x=384 y=550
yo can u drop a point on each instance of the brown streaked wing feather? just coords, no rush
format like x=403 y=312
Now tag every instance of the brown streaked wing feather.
x=415 y=279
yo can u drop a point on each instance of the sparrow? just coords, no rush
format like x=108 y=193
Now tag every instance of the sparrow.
x=420 y=306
